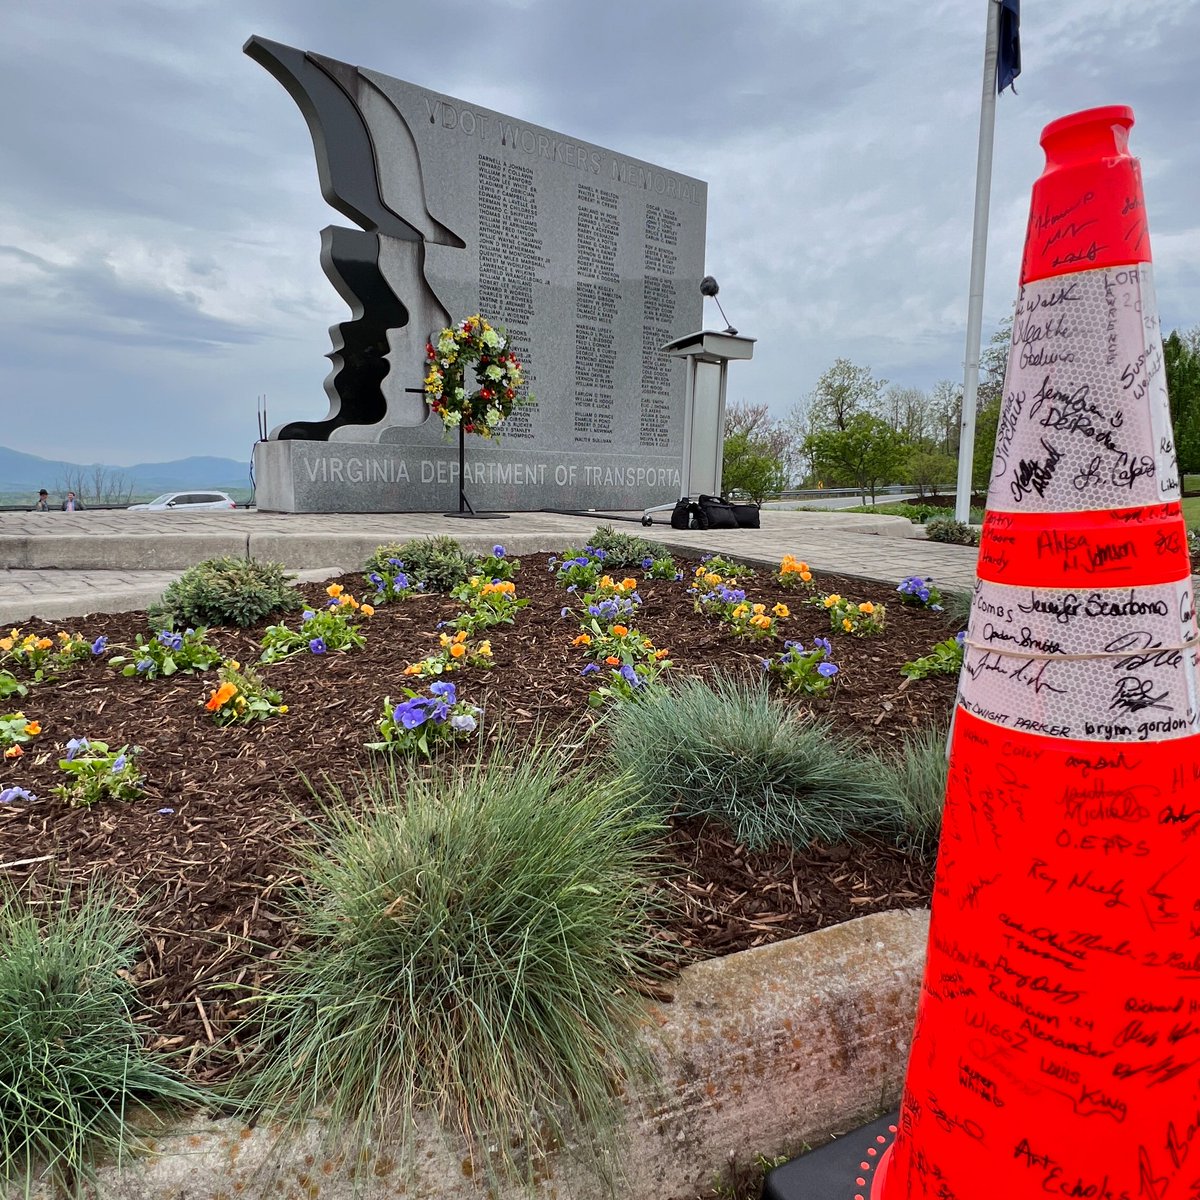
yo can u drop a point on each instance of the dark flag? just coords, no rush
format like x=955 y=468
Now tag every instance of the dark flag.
x=1008 y=57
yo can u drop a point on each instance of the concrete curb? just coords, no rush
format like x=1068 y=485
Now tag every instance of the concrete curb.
x=126 y=594
x=157 y=551
x=760 y=1053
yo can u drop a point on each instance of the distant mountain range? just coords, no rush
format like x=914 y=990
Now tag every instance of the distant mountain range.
x=27 y=472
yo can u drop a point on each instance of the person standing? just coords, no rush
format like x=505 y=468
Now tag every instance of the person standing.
x=72 y=503
x=43 y=502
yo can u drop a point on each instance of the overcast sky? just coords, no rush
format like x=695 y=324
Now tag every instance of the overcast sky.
x=160 y=214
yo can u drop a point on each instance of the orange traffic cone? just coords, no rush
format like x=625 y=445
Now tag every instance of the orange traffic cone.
x=1057 y=1046
x=1056 y=1051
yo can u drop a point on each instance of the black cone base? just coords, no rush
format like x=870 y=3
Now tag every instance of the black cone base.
x=835 y=1171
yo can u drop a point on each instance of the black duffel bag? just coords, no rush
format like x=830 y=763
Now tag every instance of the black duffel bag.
x=714 y=513
x=681 y=514
x=745 y=513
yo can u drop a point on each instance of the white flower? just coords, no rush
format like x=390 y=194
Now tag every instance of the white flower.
x=494 y=372
x=513 y=370
x=446 y=343
x=491 y=339
x=492 y=416
x=451 y=418
x=459 y=393
x=463 y=722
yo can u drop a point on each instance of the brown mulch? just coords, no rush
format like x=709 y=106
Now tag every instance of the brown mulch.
x=208 y=850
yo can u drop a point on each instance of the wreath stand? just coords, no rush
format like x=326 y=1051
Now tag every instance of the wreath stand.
x=465 y=511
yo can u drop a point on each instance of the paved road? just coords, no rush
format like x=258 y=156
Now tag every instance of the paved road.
x=59 y=565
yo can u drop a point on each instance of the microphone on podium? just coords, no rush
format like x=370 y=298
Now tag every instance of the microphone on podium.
x=710 y=287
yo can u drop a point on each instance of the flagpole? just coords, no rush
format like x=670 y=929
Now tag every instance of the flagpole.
x=983 y=192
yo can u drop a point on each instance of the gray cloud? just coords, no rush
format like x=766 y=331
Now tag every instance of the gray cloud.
x=159 y=211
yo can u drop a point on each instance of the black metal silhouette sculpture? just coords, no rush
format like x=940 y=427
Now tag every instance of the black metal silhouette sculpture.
x=330 y=96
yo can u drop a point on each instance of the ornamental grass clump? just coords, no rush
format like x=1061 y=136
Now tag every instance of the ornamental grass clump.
x=76 y=1081
x=728 y=752
x=471 y=942
x=430 y=564
x=226 y=591
x=916 y=782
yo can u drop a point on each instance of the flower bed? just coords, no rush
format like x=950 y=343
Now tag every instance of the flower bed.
x=210 y=842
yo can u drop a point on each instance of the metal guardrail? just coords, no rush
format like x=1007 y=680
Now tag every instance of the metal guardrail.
x=893 y=489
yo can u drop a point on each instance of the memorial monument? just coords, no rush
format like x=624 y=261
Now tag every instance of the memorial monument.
x=590 y=260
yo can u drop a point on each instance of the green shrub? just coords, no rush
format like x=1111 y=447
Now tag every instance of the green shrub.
x=470 y=942
x=226 y=591
x=916 y=782
x=76 y=1082
x=623 y=549
x=438 y=563
x=731 y=753
x=947 y=529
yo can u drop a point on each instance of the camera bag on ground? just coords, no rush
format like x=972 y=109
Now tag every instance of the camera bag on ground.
x=714 y=513
x=746 y=513
x=681 y=514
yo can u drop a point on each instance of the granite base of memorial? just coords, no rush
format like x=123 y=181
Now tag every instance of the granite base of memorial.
x=294 y=475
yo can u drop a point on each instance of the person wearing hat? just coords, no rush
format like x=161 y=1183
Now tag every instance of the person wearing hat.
x=43 y=502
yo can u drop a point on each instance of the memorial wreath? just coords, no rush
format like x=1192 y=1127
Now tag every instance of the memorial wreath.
x=472 y=343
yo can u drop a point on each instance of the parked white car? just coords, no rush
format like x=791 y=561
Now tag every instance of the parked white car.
x=188 y=501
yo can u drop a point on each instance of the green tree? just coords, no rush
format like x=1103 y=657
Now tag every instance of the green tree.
x=750 y=467
x=842 y=392
x=929 y=470
x=867 y=453
x=989 y=401
x=1181 y=361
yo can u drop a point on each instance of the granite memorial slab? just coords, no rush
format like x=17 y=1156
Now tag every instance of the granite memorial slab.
x=590 y=259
